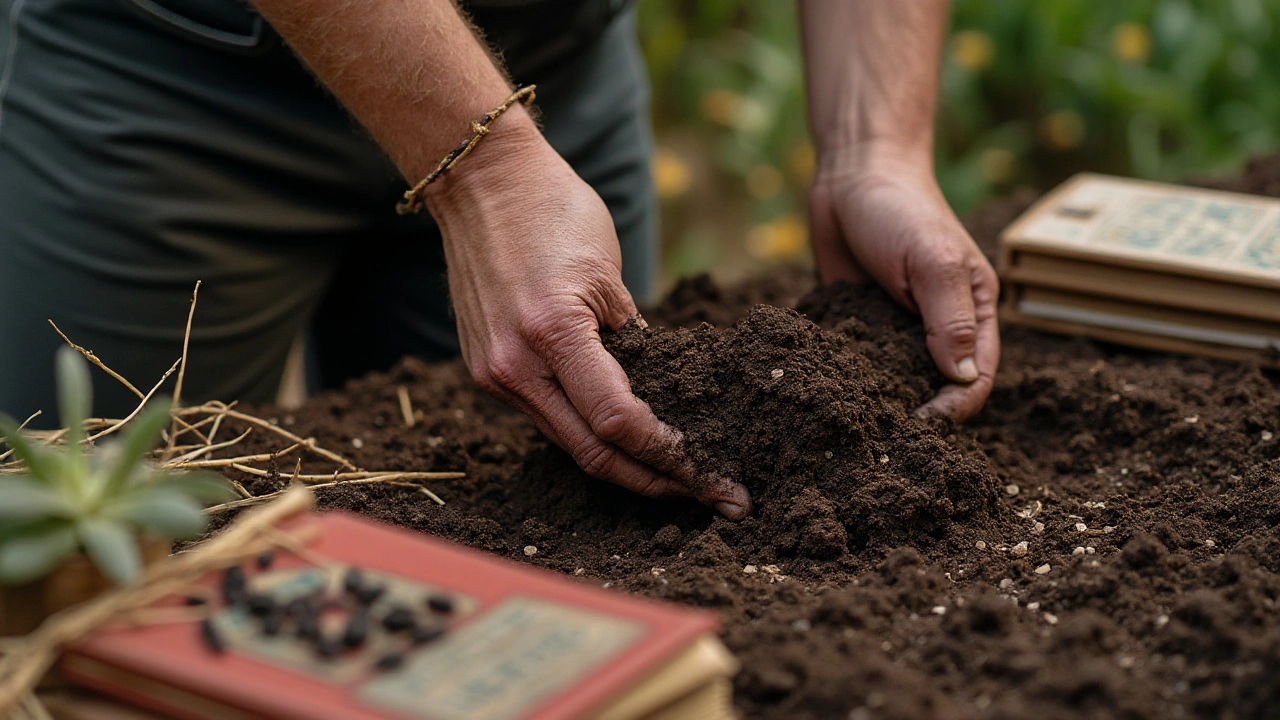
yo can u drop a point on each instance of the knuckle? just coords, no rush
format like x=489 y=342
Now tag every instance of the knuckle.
x=594 y=457
x=613 y=419
x=504 y=368
x=961 y=330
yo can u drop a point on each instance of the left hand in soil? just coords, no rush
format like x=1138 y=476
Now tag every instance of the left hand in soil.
x=889 y=222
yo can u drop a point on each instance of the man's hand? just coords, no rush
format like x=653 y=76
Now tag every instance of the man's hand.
x=875 y=209
x=892 y=225
x=535 y=272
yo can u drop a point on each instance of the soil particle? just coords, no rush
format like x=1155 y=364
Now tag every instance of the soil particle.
x=868 y=520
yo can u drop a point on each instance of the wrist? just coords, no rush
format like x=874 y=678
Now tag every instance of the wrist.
x=497 y=165
x=888 y=157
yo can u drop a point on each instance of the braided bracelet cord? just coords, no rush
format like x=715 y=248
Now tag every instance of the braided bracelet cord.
x=413 y=202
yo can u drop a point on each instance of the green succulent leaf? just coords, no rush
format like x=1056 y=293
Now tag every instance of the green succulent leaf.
x=162 y=511
x=22 y=498
x=75 y=391
x=32 y=553
x=112 y=547
x=44 y=463
x=137 y=438
x=207 y=487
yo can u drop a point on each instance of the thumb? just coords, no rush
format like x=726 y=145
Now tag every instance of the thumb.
x=944 y=295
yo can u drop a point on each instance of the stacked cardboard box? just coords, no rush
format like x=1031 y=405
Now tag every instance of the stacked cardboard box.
x=1146 y=264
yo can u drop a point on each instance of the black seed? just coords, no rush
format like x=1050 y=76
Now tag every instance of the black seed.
x=273 y=622
x=260 y=604
x=368 y=595
x=424 y=635
x=233 y=584
x=196 y=600
x=210 y=636
x=399 y=618
x=440 y=603
x=390 y=661
x=329 y=647
x=353 y=580
x=307 y=619
x=265 y=559
x=357 y=629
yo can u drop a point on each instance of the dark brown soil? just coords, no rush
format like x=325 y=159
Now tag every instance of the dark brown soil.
x=1102 y=541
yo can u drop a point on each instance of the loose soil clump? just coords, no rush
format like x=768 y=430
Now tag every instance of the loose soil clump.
x=1102 y=541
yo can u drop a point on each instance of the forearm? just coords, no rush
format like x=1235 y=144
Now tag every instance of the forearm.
x=872 y=76
x=411 y=71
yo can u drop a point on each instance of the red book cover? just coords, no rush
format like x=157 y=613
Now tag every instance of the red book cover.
x=500 y=641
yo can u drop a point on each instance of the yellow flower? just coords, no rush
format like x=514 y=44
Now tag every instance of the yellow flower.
x=764 y=182
x=671 y=175
x=996 y=165
x=782 y=239
x=801 y=161
x=1130 y=42
x=1062 y=130
x=972 y=50
x=721 y=106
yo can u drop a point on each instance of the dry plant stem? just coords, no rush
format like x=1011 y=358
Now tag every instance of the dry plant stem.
x=389 y=478
x=24 y=424
x=228 y=462
x=21 y=669
x=141 y=405
x=361 y=475
x=406 y=407
x=182 y=372
x=206 y=449
x=309 y=442
x=88 y=355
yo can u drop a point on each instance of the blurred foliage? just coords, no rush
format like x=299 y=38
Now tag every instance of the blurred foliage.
x=1031 y=92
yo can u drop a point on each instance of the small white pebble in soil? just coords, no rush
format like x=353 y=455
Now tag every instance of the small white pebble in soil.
x=1109 y=529
x=1162 y=620
x=1011 y=489
x=1033 y=606
x=1051 y=618
x=357 y=443
x=657 y=571
x=884 y=459
x=1124 y=471
x=939 y=610
x=1005 y=584
x=1078 y=551
x=1191 y=419
x=615 y=557
x=981 y=545
x=1266 y=436
x=459 y=413
x=777 y=373
x=1209 y=543
x=1043 y=569
x=828 y=454
x=530 y=550
x=1020 y=549
x=1038 y=527
x=1125 y=661
x=750 y=569
x=288 y=419
x=1081 y=527
x=1089 y=550
x=579 y=571
x=886 y=646
x=607 y=585
x=802 y=625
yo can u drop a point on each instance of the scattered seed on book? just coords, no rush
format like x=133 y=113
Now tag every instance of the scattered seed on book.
x=265 y=559
x=357 y=629
x=424 y=635
x=368 y=595
x=397 y=619
x=440 y=603
x=390 y=661
x=329 y=647
x=260 y=604
x=353 y=580
x=233 y=585
x=273 y=622
x=211 y=637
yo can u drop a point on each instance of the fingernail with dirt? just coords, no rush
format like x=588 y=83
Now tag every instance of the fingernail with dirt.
x=967 y=370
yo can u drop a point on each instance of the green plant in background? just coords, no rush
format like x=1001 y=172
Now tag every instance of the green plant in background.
x=1031 y=92
x=99 y=499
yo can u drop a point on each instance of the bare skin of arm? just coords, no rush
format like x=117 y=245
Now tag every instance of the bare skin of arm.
x=875 y=208
x=534 y=263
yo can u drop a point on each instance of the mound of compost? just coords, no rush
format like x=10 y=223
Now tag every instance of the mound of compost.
x=1102 y=541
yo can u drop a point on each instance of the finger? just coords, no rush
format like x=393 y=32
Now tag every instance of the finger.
x=943 y=290
x=598 y=388
x=831 y=255
x=961 y=402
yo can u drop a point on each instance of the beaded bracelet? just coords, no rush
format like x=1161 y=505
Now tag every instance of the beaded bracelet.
x=413 y=202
